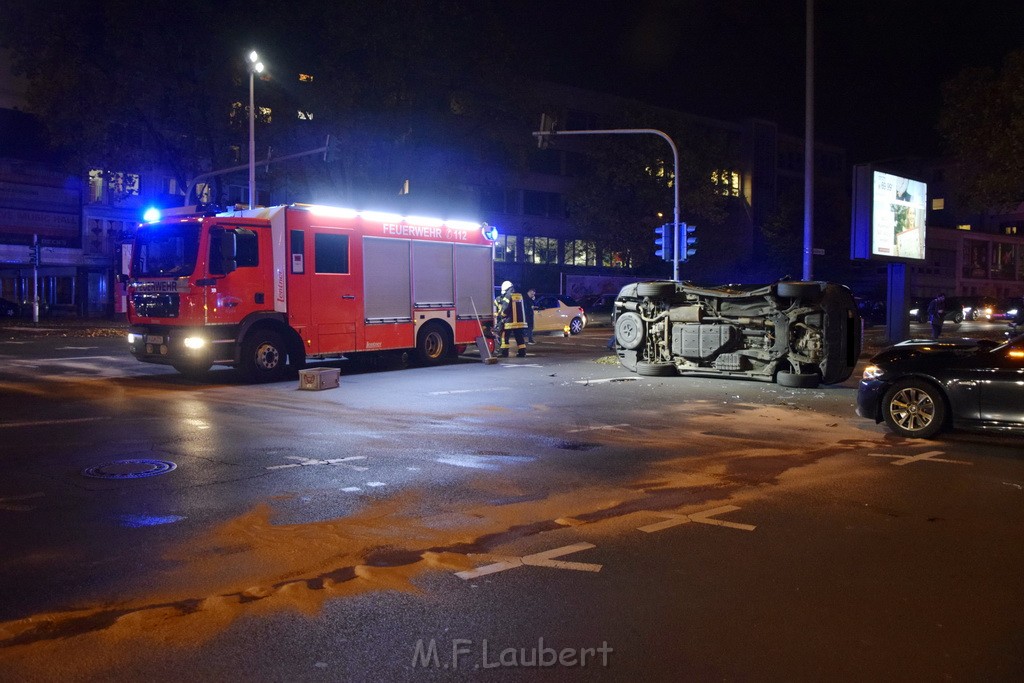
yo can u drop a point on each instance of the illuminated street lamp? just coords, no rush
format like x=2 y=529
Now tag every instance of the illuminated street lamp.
x=255 y=67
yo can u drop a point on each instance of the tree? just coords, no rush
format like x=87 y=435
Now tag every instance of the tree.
x=982 y=120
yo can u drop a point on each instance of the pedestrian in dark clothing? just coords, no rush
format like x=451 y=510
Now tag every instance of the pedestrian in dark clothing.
x=937 y=314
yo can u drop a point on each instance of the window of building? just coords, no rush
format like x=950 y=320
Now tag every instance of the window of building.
x=975 y=259
x=1004 y=261
x=963 y=226
x=506 y=248
x=616 y=259
x=547 y=204
x=305 y=78
x=540 y=250
x=497 y=200
x=330 y=253
x=580 y=253
x=95 y=186
x=726 y=182
x=938 y=204
x=305 y=115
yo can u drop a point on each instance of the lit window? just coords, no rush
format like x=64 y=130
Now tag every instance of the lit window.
x=95 y=185
x=121 y=186
x=580 y=253
x=305 y=115
x=964 y=226
x=938 y=204
x=263 y=114
x=540 y=250
x=726 y=182
x=305 y=78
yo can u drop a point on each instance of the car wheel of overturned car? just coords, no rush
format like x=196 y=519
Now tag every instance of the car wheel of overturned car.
x=649 y=369
x=799 y=290
x=914 y=408
x=656 y=290
x=629 y=330
x=798 y=380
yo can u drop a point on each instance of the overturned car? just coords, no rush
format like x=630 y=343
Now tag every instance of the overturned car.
x=798 y=334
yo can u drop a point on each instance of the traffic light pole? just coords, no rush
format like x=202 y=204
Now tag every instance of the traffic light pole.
x=542 y=135
x=35 y=278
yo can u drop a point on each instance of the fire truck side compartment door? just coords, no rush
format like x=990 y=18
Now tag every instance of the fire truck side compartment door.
x=334 y=277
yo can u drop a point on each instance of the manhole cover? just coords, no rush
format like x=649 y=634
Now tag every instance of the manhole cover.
x=129 y=469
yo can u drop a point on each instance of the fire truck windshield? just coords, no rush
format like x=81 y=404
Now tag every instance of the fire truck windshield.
x=163 y=250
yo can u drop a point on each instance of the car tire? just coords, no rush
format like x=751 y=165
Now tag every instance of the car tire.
x=798 y=380
x=648 y=369
x=655 y=290
x=958 y=318
x=914 y=408
x=808 y=291
x=576 y=325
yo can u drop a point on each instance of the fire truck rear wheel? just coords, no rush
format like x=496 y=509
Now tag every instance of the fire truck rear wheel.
x=434 y=344
x=264 y=356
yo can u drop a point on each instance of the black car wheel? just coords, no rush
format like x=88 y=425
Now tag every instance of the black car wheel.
x=914 y=408
x=798 y=380
x=649 y=369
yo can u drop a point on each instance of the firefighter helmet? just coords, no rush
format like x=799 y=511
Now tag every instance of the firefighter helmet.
x=505 y=286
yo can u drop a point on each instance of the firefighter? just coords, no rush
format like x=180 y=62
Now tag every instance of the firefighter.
x=509 y=317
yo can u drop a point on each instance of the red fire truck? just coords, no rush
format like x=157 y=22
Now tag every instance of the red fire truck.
x=266 y=289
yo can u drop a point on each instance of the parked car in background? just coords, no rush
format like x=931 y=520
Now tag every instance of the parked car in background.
x=978 y=307
x=872 y=311
x=558 y=313
x=918 y=388
x=9 y=309
x=599 y=308
x=918 y=312
x=797 y=334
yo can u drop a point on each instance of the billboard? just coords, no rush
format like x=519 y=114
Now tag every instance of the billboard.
x=889 y=213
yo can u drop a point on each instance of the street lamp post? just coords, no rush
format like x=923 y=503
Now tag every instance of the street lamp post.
x=255 y=67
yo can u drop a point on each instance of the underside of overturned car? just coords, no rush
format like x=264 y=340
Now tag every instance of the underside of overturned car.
x=799 y=334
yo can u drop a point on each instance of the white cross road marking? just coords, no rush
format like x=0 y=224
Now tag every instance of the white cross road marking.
x=8 y=504
x=703 y=517
x=599 y=427
x=522 y=365
x=542 y=559
x=466 y=391
x=929 y=456
x=306 y=462
x=76 y=348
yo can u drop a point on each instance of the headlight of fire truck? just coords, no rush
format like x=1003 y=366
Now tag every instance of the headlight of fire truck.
x=194 y=342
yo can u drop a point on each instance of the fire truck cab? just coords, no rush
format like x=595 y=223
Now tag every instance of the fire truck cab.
x=265 y=289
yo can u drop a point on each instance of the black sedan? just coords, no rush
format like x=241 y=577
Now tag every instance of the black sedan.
x=920 y=387
x=9 y=309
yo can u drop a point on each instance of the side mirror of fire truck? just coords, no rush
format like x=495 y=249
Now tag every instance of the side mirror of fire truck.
x=228 y=251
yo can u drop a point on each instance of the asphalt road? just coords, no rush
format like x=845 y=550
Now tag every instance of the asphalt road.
x=550 y=516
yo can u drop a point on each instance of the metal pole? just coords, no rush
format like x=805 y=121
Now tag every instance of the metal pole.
x=809 y=149
x=35 y=278
x=675 y=170
x=252 y=139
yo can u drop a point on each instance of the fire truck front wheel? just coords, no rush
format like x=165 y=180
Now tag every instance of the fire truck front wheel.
x=264 y=356
x=434 y=344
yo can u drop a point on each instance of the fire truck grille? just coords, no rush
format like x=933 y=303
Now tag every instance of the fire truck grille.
x=156 y=305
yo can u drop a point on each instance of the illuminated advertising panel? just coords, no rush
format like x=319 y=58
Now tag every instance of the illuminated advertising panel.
x=889 y=216
x=899 y=207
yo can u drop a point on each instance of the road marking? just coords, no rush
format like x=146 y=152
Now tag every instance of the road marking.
x=703 y=517
x=522 y=365
x=42 y=423
x=929 y=456
x=8 y=504
x=598 y=427
x=542 y=559
x=607 y=380
x=76 y=348
x=307 y=462
x=466 y=391
x=1017 y=486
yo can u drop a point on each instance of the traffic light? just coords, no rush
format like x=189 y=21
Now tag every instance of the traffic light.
x=688 y=239
x=664 y=242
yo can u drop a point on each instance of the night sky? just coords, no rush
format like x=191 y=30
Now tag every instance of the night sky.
x=879 y=66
